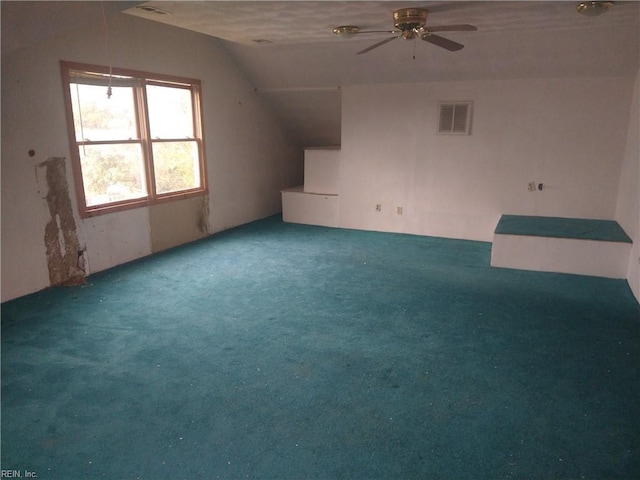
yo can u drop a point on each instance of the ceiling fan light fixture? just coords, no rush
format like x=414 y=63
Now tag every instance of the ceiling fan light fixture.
x=346 y=30
x=595 y=8
x=408 y=34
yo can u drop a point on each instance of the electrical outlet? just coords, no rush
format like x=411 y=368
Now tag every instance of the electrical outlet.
x=378 y=207
x=399 y=210
x=532 y=186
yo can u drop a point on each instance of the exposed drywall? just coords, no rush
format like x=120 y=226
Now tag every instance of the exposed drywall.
x=550 y=131
x=249 y=157
x=628 y=207
x=65 y=258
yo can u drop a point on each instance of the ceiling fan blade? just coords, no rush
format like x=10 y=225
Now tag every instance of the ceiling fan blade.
x=451 y=28
x=443 y=42
x=377 y=31
x=376 y=45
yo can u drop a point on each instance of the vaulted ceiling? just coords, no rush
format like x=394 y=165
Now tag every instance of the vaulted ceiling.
x=289 y=52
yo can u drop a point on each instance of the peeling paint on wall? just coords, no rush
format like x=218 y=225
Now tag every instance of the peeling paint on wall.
x=65 y=258
x=203 y=217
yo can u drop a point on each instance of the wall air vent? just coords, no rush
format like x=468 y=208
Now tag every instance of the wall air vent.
x=455 y=118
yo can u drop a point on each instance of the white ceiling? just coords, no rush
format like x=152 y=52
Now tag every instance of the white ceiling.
x=302 y=65
x=298 y=64
x=303 y=22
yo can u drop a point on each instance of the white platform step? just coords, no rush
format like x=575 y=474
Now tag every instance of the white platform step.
x=315 y=202
x=299 y=206
x=564 y=245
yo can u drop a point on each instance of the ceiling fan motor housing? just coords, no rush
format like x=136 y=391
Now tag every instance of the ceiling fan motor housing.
x=409 y=19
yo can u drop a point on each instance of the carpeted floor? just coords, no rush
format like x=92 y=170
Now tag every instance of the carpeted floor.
x=291 y=352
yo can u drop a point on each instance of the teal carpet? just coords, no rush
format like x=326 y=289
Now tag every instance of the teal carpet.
x=558 y=227
x=291 y=352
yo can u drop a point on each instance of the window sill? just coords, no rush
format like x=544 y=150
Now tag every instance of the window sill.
x=95 y=211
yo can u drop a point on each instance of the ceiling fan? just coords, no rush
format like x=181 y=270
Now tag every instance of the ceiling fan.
x=410 y=24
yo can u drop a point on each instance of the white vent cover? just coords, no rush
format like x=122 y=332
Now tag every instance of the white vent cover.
x=455 y=118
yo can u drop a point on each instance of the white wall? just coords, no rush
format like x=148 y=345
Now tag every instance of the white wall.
x=568 y=134
x=249 y=157
x=628 y=207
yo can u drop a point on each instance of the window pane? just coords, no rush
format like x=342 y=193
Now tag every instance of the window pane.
x=176 y=166
x=97 y=117
x=170 y=112
x=112 y=173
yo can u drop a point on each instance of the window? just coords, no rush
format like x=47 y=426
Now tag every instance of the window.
x=455 y=118
x=136 y=138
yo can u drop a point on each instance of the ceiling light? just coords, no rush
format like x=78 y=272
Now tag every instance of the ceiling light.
x=346 y=30
x=593 y=9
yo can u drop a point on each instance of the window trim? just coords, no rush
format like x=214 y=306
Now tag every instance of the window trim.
x=145 y=140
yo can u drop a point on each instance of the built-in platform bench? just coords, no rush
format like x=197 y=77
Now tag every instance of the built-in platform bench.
x=309 y=208
x=565 y=245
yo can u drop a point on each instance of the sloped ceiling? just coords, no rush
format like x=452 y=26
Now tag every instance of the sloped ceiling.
x=289 y=53
x=26 y=23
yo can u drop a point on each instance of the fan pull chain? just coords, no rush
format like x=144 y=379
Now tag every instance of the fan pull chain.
x=106 y=46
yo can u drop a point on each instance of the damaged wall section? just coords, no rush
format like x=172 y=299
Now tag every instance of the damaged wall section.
x=65 y=258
